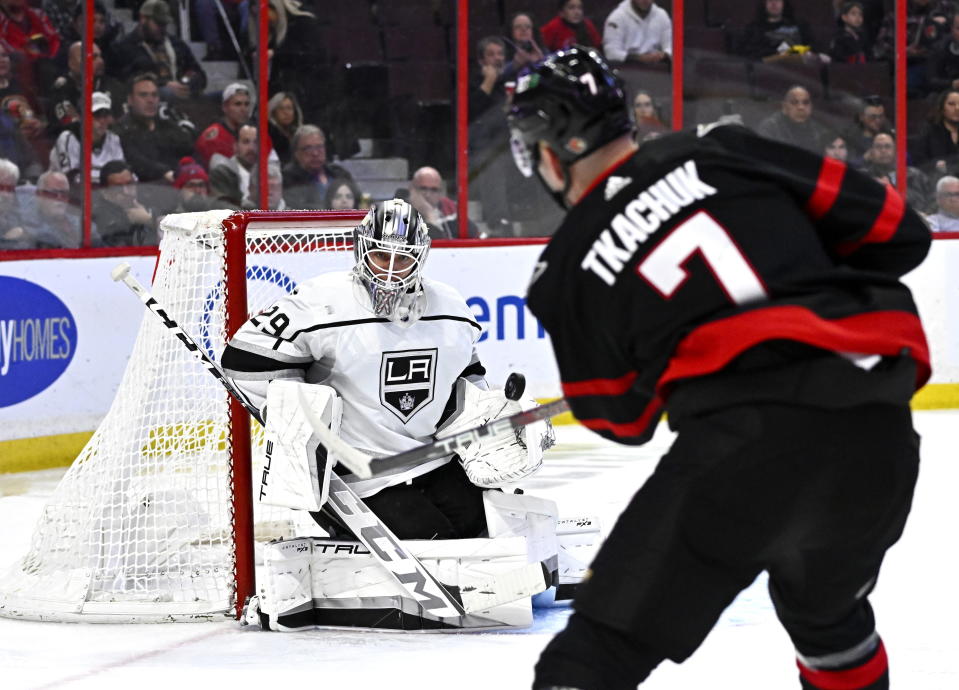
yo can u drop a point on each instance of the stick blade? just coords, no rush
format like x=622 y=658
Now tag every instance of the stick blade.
x=506 y=588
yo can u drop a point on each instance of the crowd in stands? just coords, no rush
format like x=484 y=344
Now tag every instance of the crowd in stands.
x=165 y=141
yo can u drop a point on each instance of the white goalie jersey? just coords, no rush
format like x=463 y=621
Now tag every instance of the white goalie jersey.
x=394 y=378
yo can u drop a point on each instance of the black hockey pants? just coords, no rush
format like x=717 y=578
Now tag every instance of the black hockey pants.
x=813 y=496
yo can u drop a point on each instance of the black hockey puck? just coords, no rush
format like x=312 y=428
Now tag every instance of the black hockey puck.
x=515 y=385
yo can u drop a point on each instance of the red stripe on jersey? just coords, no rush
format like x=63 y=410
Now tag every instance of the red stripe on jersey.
x=616 y=386
x=828 y=184
x=851 y=679
x=712 y=346
x=627 y=429
x=885 y=226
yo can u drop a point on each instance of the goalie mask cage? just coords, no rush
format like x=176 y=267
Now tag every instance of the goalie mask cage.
x=154 y=521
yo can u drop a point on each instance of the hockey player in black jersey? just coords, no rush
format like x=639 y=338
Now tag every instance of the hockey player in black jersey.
x=751 y=290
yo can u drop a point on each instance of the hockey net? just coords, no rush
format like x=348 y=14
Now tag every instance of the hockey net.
x=153 y=520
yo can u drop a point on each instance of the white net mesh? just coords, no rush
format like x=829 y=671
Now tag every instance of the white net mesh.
x=141 y=526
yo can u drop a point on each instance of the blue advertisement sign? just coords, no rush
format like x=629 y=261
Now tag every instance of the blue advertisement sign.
x=38 y=338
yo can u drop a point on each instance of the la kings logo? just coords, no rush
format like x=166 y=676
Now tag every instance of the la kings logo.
x=407 y=380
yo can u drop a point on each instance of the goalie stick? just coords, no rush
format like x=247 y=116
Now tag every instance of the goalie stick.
x=366 y=466
x=407 y=570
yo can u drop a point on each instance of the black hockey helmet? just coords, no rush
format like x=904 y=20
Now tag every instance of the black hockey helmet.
x=573 y=101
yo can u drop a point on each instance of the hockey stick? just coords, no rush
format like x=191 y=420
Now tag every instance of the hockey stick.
x=411 y=575
x=366 y=466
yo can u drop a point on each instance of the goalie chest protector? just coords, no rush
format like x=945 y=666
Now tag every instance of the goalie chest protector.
x=394 y=378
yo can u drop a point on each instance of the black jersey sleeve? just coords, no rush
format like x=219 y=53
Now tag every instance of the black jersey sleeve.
x=862 y=223
x=606 y=393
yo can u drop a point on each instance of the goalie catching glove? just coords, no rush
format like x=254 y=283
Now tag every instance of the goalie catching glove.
x=502 y=459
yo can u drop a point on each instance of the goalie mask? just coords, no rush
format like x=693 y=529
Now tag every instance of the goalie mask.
x=390 y=246
x=571 y=100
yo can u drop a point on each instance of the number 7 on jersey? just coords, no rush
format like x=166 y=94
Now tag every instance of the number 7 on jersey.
x=663 y=266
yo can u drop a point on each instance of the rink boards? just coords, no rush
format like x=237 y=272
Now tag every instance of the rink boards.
x=66 y=332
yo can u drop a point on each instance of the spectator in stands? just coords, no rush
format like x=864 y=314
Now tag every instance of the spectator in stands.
x=60 y=13
x=67 y=153
x=29 y=32
x=12 y=234
x=342 y=195
x=638 y=31
x=570 y=27
x=206 y=12
x=121 y=219
x=490 y=169
x=9 y=80
x=937 y=149
x=849 y=43
x=230 y=178
x=489 y=90
x=14 y=147
x=522 y=47
x=927 y=24
x=426 y=195
x=149 y=48
x=152 y=145
x=869 y=121
x=67 y=90
x=880 y=160
x=834 y=146
x=15 y=100
x=106 y=30
x=220 y=137
x=285 y=118
x=506 y=196
x=306 y=177
x=942 y=69
x=52 y=222
x=297 y=58
x=193 y=186
x=775 y=31
x=275 y=199
x=946 y=217
x=646 y=115
x=872 y=11
x=794 y=124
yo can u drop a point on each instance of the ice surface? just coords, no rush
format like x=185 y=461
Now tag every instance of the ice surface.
x=917 y=602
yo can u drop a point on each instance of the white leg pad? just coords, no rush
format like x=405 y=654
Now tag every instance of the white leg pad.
x=290 y=475
x=342 y=585
x=512 y=515
x=285 y=584
x=566 y=546
x=579 y=539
